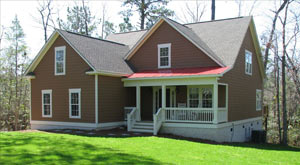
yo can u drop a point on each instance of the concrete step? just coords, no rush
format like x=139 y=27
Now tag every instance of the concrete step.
x=142 y=130
x=144 y=123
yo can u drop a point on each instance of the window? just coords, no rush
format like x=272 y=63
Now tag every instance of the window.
x=193 y=97
x=47 y=103
x=248 y=62
x=258 y=100
x=207 y=98
x=164 y=55
x=74 y=103
x=60 y=60
x=200 y=97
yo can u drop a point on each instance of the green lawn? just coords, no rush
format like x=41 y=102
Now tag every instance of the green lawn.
x=50 y=148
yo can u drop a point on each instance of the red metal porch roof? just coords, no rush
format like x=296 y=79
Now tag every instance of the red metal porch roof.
x=179 y=72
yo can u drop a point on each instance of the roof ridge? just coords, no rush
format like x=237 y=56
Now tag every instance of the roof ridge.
x=224 y=19
x=131 y=31
x=83 y=35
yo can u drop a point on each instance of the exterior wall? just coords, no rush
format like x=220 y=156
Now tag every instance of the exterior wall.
x=221 y=96
x=228 y=132
x=112 y=99
x=242 y=87
x=183 y=52
x=75 y=78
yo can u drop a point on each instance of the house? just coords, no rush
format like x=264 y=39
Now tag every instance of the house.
x=201 y=80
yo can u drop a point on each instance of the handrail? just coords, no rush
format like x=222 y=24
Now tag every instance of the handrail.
x=131 y=118
x=158 y=119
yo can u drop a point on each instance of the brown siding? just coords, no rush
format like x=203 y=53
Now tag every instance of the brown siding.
x=242 y=87
x=75 y=78
x=221 y=96
x=111 y=99
x=183 y=52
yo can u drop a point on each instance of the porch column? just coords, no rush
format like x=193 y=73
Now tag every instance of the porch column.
x=215 y=103
x=138 y=102
x=163 y=96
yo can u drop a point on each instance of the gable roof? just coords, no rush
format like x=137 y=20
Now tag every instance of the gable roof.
x=186 y=32
x=222 y=39
x=101 y=55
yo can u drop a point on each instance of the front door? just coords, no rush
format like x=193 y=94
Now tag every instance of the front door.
x=170 y=98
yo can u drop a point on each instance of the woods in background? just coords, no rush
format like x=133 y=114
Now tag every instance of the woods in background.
x=279 y=45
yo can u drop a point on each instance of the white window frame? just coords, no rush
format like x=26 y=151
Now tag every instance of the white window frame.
x=48 y=91
x=64 y=62
x=258 y=100
x=78 y=90
x=159 y=46
x=200 y=90
x=248 y=71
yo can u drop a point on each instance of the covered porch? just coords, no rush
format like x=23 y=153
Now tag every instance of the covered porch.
x=195 y=100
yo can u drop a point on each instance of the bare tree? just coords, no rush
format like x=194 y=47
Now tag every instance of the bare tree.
x=269 y=43
x=195 y=12
x=240 y=4
x=45 y=10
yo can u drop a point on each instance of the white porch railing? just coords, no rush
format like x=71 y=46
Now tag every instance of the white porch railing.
x=222 y=115
x=127 y=110
x=158 y=119
x=203 y=115
x=131 y=118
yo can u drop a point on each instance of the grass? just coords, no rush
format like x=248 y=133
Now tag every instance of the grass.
x=50 y=148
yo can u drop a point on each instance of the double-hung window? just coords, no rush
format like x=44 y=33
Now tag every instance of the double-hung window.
x=248 y=62
x=60 y=60
x=164 y=55
x=47 y=103
x=258 y=100
x=74 y=103
x=200 y=97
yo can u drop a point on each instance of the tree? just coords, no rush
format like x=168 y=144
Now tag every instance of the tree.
x=149 y=10
x=193 y=13
x=15 y=101
x=45 y=10
x=79 y=20
x=108 y=28
x=126 y=26
x=213 y=9
x=271 y=35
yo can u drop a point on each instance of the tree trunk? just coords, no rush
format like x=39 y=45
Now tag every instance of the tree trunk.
x=213 y=9
x=143 y=15
x=277 y=77
x=16 y=85
x=284 y=112
x=268 y=46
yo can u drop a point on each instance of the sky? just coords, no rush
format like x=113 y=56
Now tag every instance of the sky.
x=28 y=15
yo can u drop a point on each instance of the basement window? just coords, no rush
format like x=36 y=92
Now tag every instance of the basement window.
x=47 y=103
x=74 y=103
x=60 y=60
x=164 y=55
x=248 y=62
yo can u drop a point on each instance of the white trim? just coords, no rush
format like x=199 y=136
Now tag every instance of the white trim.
x=60 y=48
x=138 y=102
x=200 y=90
x=159 y=46
x=247 y=52
x=47 y=91
x=96 y=99
x=171 y=82
x=74 y=125
x=258 y=90
x=195 y=125
x=77 y=90
x=42 y=52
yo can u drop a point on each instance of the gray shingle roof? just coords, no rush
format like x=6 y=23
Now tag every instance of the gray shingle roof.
x=224 y=37
x=220 y=38
x=104 y=56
